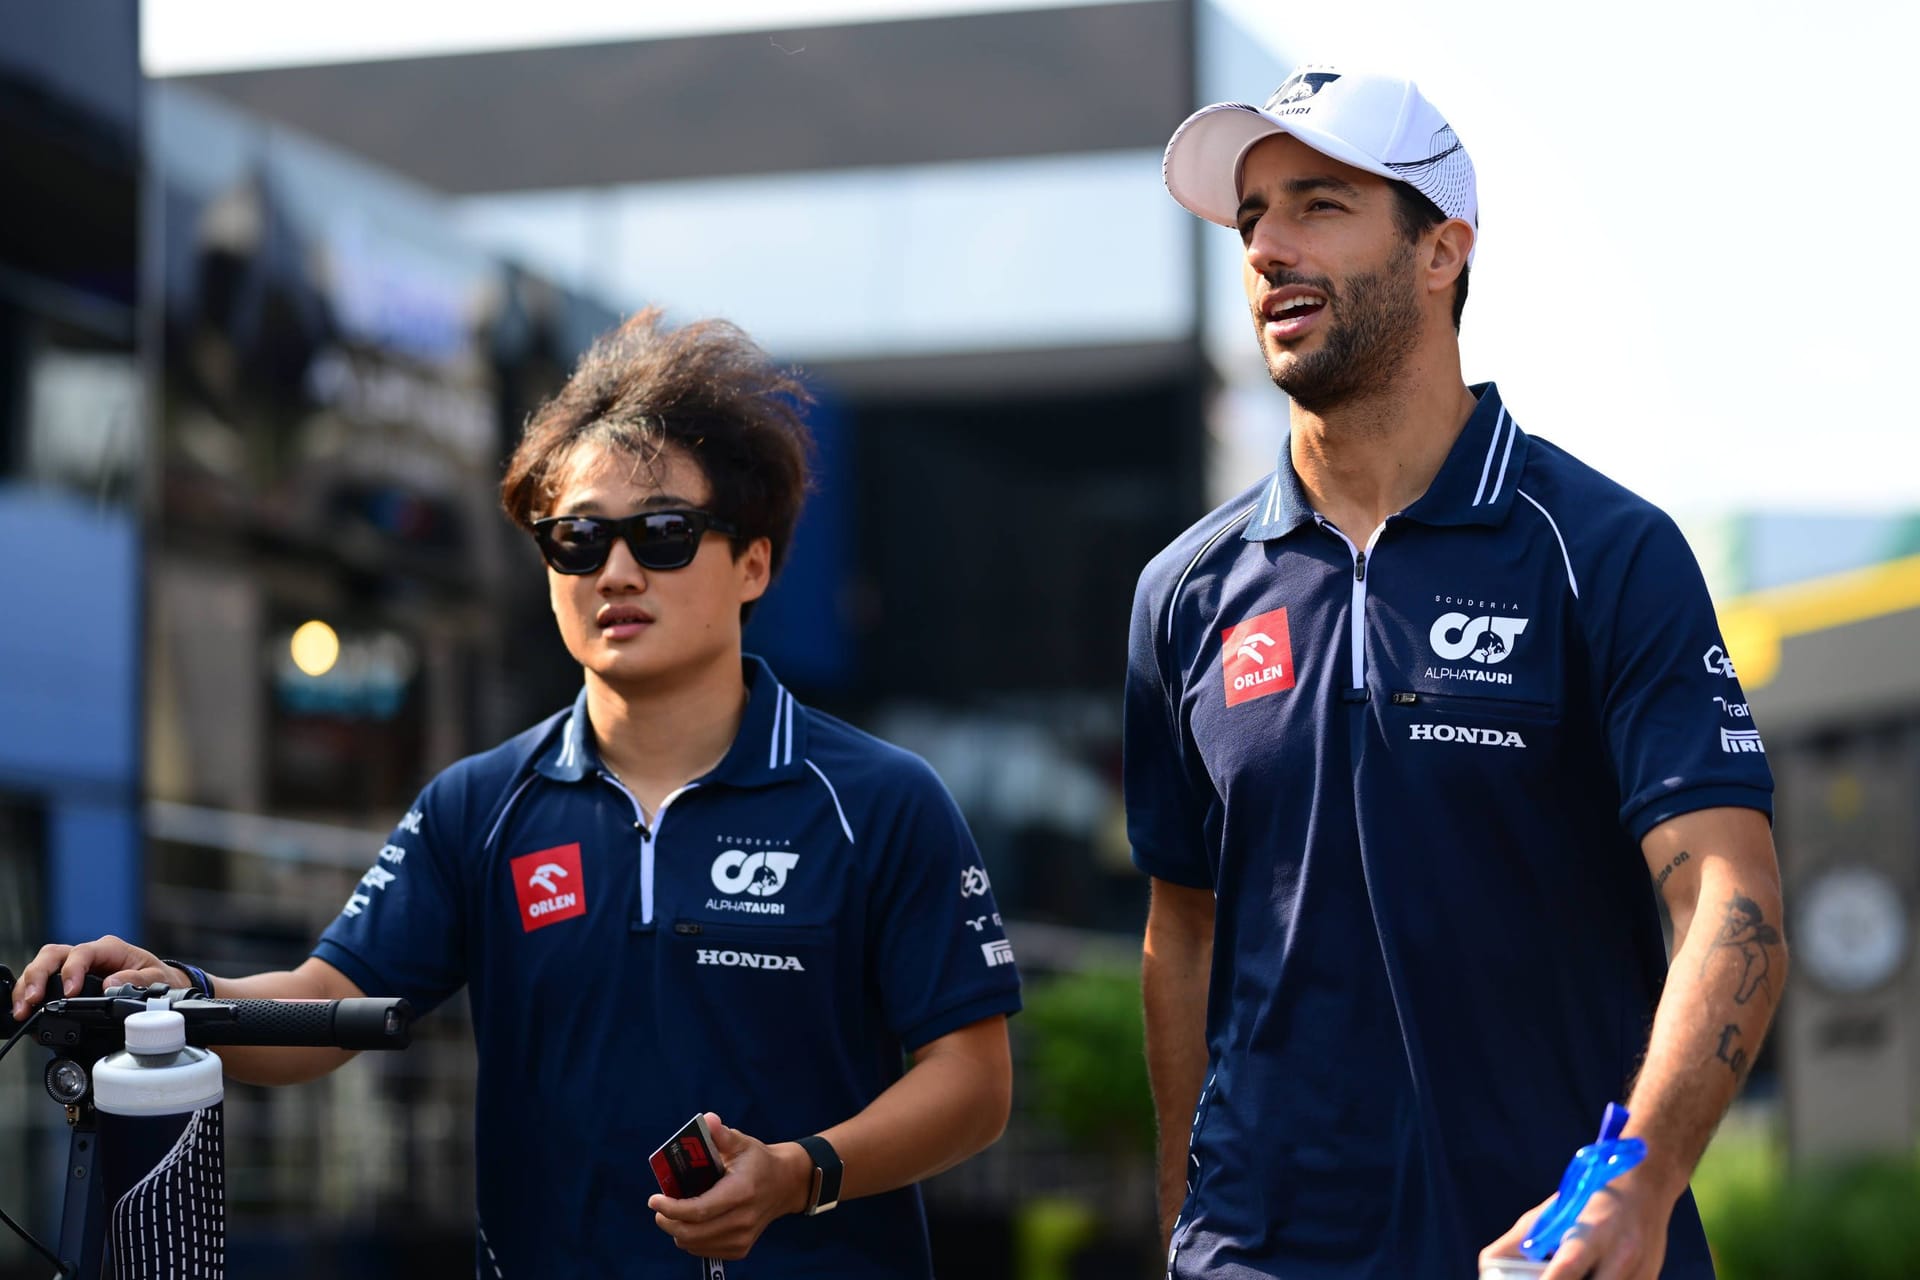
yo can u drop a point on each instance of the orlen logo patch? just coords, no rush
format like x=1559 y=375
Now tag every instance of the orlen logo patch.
x=549 y=886
x=1256 y=657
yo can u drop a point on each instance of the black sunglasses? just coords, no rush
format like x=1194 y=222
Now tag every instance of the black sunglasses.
x=658 y=539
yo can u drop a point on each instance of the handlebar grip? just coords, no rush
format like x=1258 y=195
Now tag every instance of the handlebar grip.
x=361 y=1023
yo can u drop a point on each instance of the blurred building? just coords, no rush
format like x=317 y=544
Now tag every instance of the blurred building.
x=247 y=383
x=73 y=433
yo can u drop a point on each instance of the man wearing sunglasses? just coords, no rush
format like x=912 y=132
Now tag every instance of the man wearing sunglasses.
x=685 y=895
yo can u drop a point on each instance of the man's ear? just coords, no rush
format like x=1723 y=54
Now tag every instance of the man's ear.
x=1452 y=242
x=755 y=567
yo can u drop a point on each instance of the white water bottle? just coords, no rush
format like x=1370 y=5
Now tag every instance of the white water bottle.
x=160 y=1159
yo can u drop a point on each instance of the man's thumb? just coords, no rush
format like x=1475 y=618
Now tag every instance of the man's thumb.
x=729 y=1142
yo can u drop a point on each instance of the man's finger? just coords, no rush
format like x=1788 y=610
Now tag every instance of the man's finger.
x=694 y=1209
x=1574 y=1260
x=44 y=964
x=1508 y=1245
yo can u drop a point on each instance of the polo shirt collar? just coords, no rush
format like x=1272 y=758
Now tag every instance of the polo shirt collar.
x=770 y=746
x=1477 y=481
x=1475 y=484
x=572 y=756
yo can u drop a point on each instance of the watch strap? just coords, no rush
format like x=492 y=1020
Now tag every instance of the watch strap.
x=197 y=978
x=827 y=1169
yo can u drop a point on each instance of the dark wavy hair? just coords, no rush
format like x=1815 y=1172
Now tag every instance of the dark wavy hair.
x=703 y=388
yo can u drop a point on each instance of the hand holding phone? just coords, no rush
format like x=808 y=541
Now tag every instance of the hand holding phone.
x=688 y=1164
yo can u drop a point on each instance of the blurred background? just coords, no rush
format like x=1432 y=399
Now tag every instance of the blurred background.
x=278 y=288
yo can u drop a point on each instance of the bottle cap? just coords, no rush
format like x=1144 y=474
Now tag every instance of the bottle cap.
x=157 y=1031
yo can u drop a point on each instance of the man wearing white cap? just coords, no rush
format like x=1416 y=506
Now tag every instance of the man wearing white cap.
x=1417 y=729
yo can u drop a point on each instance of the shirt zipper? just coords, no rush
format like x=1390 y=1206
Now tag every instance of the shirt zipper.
x=648 y=836
x=1357 y=644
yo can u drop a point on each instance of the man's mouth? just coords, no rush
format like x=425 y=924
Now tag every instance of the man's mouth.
x=1290 y=312
x=620 y=623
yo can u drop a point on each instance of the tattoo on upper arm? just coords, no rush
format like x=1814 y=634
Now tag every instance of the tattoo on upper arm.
x=1660 y=881
x=1745 y=932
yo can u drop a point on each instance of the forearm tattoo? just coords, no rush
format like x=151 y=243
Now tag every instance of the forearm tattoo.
x=1660 y=881
x=1747 y=939
x=1745 y=932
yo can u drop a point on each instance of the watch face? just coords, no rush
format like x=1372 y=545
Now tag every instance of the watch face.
x=1853 y=930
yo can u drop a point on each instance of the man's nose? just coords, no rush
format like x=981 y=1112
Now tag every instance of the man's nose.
x=1272 y=247
x=622 y=572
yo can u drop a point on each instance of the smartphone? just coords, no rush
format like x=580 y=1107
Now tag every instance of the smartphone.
x=688 y=1163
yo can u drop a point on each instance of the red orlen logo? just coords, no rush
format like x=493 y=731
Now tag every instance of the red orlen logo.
x=1256 y=657
x=550 y=886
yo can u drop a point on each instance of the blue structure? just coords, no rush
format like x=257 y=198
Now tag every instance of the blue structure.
x=69 y=698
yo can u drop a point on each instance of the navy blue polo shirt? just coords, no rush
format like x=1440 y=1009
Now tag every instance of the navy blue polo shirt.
x=1414 y=766
x=767 y=945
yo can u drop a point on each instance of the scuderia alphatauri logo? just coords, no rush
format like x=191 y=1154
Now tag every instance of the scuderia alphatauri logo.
x=1300 y=86
x=758 y=875
x=1485 y=640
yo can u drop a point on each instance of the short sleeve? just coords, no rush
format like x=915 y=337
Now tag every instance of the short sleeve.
x=402 y=931
x=1679 y=731
x=1165 y=819
x=940 y=954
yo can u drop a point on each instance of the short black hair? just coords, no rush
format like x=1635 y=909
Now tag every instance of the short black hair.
x=1415 y=215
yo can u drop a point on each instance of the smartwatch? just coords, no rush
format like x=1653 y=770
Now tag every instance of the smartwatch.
x=826 y=1174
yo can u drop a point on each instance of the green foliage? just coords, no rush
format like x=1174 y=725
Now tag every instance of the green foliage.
x=1086 y=1060
x=1047 y=1232
x=1859 y=1220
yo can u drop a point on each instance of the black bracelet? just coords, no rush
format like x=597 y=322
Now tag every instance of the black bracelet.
x=197 y=979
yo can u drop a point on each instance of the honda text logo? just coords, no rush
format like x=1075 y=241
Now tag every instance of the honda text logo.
x=1484 y=639
x=1256 y=657
x=1465 y=733
x=1718 y=663
x=997 y=953
x=749 y=960
x=549 y=886
x=759 y=874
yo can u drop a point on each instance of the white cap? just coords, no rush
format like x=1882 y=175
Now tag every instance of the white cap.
x=156 y=1031
x=1373 y=122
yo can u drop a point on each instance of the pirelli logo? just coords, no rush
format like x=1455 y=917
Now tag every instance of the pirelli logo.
x=1739 y=741
x=997 y=953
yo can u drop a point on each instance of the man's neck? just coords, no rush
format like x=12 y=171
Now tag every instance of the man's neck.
x=1369 y=458
x=658 y=738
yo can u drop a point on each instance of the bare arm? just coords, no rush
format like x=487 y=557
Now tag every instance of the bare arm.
x=1174 y=973
x=951 y=1104
x=1721 y=880
x=118 y=961
x=315 y=979
x=1722 y=885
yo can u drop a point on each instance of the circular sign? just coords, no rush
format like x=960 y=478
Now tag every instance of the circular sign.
x=1854 y=930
